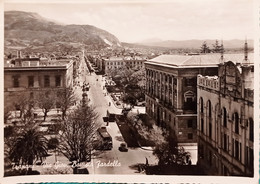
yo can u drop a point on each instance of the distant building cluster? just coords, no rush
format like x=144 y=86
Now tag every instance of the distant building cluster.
x=206 y=100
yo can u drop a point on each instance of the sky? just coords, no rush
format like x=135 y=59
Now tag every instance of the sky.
x=137 y=21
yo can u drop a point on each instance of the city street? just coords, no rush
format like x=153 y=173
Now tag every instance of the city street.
x=109 y=161
x=125 y=160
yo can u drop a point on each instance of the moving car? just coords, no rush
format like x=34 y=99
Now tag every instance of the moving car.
x=123 y=147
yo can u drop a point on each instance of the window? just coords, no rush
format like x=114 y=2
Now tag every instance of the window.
x=189 y=96
x=190 y=81
x=225 y=171
x=209 y=114
x=225 y=142
x=250 y=157
x=16 y=83
x=210 y=158
x=233 y=147
x=46 y=81
x=58 y=81
x=224 y=117
x=202 y=125
x=236 y=151
x=201 y=151
x=251 y=129
x=190 y=101
x=236 y=123
x=190 y=136
x=189 y=123
x=30 y=81
x=210 y=130
x=201 y=105
x=209 y=109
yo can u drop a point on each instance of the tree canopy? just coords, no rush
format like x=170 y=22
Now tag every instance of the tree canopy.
x=77 y=133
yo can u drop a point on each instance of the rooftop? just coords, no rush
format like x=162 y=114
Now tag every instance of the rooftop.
x=200 y=60
x=19 y=63
x=126 y=58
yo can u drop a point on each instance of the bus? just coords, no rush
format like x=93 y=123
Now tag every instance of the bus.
x=106 y=139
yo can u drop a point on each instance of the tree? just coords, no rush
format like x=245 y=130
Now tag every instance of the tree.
x=169 y=153
x=129 y=99
x=77 y=134
x=7 y=114
x=146 y=128
x=46 y=101
x=204 y=48
x=138 y=77
x=65 y=99
x=30 y=145
x=218 y=48
x=25 y=105
x=166 y=148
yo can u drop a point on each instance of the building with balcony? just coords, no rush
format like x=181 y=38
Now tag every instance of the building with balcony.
x=225 y=120
x=30 y=76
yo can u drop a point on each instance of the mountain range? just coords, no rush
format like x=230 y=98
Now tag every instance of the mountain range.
x=26 y=29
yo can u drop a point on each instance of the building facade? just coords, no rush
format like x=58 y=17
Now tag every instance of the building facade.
x=171 y=92
x=226 y=119
x=114 y=63
x=29 y=77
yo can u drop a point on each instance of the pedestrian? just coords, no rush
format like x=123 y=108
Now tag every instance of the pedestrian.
x=187 y=159
x=189 y=163
x=146 y=161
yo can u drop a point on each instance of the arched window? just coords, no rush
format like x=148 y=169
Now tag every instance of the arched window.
x=236 y=120
x=201 y=105
x=190 y=101
x=189 y=96
x=251 y=129
x=224 y=117
x=209 y=117
x=209 y=109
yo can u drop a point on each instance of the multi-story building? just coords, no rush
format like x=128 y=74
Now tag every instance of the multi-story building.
x=30 y=76
x=171 y=92
x=113 y=63
x=226 y=118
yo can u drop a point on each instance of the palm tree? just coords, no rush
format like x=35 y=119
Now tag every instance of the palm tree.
x=30 y=145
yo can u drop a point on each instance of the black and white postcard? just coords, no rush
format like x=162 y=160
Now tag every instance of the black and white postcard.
x=130 y=91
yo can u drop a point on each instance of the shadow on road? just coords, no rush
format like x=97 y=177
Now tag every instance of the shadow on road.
x=127 y=134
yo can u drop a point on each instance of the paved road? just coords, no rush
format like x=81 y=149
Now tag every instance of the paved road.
x=123 y=162
x=112 y=161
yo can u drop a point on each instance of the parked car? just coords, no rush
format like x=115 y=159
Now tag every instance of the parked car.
x=123 y=147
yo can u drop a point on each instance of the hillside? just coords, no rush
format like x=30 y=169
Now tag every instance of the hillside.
x=26 y=30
